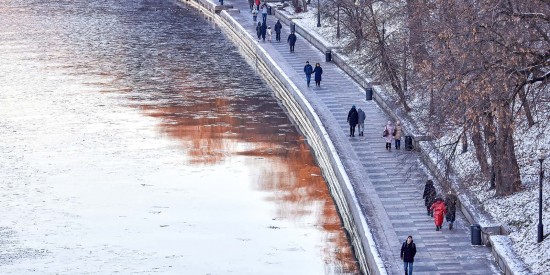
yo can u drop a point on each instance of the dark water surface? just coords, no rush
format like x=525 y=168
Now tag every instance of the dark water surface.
x=135 y=138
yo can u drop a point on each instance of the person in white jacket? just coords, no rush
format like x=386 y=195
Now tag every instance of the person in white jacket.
x=269 y=33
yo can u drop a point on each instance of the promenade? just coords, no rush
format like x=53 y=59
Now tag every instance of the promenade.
x=394 y=179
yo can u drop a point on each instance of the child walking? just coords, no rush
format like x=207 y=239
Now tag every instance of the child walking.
x=269 y=33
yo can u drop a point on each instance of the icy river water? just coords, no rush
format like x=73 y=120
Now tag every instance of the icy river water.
x=135 y=139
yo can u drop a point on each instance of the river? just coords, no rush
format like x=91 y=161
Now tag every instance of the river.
x=135 y=139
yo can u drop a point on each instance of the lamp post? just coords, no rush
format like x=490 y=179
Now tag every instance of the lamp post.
x=318 y=15
x=541 y=157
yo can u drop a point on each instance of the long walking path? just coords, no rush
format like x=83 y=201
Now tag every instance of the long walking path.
x=396 y=175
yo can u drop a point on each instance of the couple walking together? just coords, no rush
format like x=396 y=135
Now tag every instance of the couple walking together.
x=309 y=70
x=437 y=207
x=356 y=117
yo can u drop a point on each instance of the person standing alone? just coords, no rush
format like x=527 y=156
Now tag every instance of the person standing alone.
x=361 y=121
x=291 y=41
x=352 y=120
x=278 y=28
x=308 y=70
x=408 y=250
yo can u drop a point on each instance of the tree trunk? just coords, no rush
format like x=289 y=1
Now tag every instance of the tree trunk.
x=526 y=107
x=477 y=140
x=507 y=175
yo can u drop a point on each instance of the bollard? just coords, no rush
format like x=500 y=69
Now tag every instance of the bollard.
x=409 y=143
x=368 y=93
x=475 y=231
x=328 y=56
x=292 y=27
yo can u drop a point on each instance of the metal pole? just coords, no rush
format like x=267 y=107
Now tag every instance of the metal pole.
x=540 y=226
x=318 y=15
x=338 y=22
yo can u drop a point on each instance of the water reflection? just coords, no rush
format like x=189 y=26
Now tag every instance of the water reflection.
x=175 y=66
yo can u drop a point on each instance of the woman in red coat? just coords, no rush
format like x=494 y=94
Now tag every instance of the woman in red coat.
x=439 y=209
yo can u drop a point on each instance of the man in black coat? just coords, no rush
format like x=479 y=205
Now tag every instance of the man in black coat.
x=291 y=41
x=408 y=250
x=308 y=70
x=429 y=196
x=450 y=202
x=353 y=119
x=259 y=30
x=278 y=28
x=263 y=30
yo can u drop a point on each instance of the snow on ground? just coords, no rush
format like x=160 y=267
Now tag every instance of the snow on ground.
x=518 y=212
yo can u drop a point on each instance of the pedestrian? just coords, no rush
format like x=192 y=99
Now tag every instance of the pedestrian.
x=263 y=30
x=450 y=202
x=388 y=135
x=439 y=209
x=221 y=2
x=408 y=250
x=308 y=70
x=278 y=28
x=291 y=41
x=264 y=13
x=397 y=132
x=251 y=4
x=318 y=71
x=361 y=121
x=257 y=2
x=352 y=120
x=254 y=13
x=259 y=30
x=429 y=196
x=269 y=33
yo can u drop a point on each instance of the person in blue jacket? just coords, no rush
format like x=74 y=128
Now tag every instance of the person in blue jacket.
x=308 y=70
x=318 y=71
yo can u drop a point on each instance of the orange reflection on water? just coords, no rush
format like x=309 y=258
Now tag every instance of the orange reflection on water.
x=214 y=129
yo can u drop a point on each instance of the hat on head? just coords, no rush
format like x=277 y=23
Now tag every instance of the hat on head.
x=353 y=106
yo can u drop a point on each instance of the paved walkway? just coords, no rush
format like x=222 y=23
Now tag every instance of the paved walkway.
x=395 y=175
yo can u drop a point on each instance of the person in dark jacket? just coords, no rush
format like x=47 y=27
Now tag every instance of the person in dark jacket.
x=353 y=118
x=263 y=30
x=450 y=202
x=408 y=250
x=259 y=30
x=361 y=121
x=429 y=196
x=291 y=41
x=308 y=70
x=318 y=71
x=278 y=27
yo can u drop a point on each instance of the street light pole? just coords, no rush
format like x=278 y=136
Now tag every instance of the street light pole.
x=541 y=177
x=318 y=15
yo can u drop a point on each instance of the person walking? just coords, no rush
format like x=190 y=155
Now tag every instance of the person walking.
x=352 y=120
x=259 y=30
x=361 y=121
x=450 y=202
x=408 y=250
x=429 y=196
x=254 y=13
x=291 y=41
x=269 y=33
x=308 y=70
x=278 y=27
x=439 y=209
x=251 y=4
x=318 y=71
x=397 y=132
x=388 y=135
x=257 y=2
x=263 y=30
x=264 y=14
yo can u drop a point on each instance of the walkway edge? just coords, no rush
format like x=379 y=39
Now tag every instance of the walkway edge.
x=492 y=231
x=310 y=124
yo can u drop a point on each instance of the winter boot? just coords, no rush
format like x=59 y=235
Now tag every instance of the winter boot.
x=436 y=228
x=451 y=226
